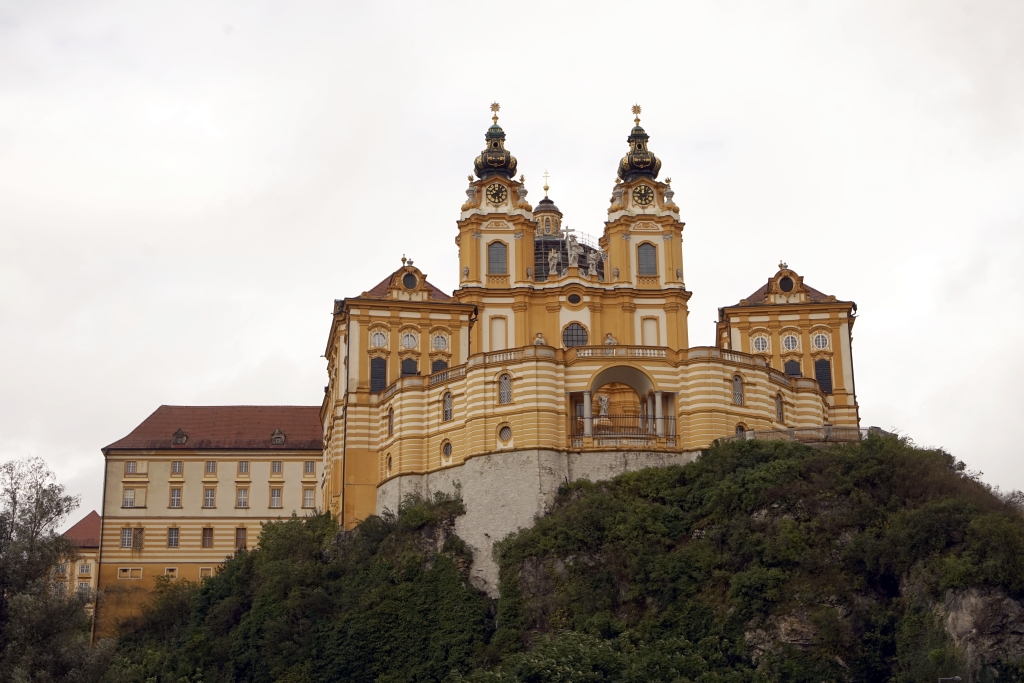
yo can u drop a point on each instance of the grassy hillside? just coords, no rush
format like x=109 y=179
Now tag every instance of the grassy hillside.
x=759 y=562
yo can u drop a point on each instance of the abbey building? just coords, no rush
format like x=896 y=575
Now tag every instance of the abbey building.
x=559 y=357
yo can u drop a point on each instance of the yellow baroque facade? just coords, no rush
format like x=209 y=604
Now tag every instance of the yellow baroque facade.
x=564 y=355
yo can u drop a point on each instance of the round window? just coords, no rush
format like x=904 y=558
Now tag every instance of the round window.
x=760 y=344
x=440 y=342
x=790 y=342
x=378 y=340
x=408 y=341
x=574 y=298
x=820 y=341
x=409 y=280
x=786 y=284
x=574 y=335
x=505 y=433
x=446 y=449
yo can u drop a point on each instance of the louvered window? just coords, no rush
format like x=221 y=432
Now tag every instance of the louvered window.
x=737 y=390
x=447 y=415
x=647 y=259
x=439 y=365
x=391 y=421
x=505 y=388
x=497 y=258
x=778 y=408
x=823 y=373
x=409 y=367
x=378 y=374
x=792 y=368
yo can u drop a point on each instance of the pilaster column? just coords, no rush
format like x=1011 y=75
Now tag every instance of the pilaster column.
x=650 y=411
x=588 y=417
x=659 y=413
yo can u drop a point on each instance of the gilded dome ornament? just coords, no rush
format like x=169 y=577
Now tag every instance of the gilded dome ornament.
x=495 y=159
x=639 y=162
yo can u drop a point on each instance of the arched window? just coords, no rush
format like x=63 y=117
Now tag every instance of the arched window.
x=574 y=335
x=823 y=373
x=779 y=415
x=792 y=368
x=497 y=258
x=438 y=365
x=446 y=414
x=505 y=388
x=409 y=367
x=391 y=421
x=378 y=374
x=737 y=390
x=740 y=430
x=647 y=259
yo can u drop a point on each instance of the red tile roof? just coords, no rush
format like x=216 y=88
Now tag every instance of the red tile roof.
x=86 y=532
x=381 y=289
x=227 y=427
x=759 y=296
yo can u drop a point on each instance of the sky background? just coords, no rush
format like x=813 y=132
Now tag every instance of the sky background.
x=186 y=187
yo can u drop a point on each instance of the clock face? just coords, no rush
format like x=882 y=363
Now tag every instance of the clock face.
x=643 y=195
x=496 y=193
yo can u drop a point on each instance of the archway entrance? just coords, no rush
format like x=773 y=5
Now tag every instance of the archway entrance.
x=622 y=408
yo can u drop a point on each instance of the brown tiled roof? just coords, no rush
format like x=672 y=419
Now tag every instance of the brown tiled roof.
x=759 y=296
x=381 y=289
x=86 y=532
x=230 y=427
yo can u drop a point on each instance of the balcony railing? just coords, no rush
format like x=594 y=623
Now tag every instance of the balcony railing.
x=620 y=351
x=445 y=376
x=624 y=426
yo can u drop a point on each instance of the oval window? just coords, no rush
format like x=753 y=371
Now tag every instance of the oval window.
x=378 y=340
x=820 y=341
x=409 y=280
x=408 y=341
x=574 y=298
x=447 y=449
x=790 y=342
x=440 y=342
x=760 y=344
x=505 y=433
x=786 y=284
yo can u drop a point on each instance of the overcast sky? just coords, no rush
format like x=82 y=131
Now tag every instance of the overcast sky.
x=186 y=187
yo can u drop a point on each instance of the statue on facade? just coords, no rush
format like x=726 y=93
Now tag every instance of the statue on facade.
x=603 y=402
x=592 y=259
x=539 y=340
x=609 y=340
x=553 y=259
x=574 y=250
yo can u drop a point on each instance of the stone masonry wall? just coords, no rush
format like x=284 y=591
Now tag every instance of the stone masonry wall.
x=504 y=492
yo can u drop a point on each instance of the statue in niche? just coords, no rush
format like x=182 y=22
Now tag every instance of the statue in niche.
x=574 y=250
x=553 y=259
x=603 y=403
x=592 y=259
x=539 y=340
x=609 y=340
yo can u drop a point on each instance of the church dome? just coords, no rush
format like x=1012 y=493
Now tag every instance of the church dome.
x=495 y=159
x=546 y=206
x=639 y=162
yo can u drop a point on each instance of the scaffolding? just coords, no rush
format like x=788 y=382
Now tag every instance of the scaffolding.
x=558 y=240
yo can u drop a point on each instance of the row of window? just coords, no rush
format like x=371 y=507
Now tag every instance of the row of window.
x=83 y=568
x=408 y=341
x=497 y=259
x=210 y=497
x=448 y=402
x=790 y=342
x=409 y=366
x=178 y=467
x=738 y=398
x=61 y=589
x=169 y=572
x=133 y=537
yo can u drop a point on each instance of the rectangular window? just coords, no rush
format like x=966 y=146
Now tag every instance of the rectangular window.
x=275 y=498
x=126 y=538
x=129 y=498
x=209 y=498
x=649 y=331
x=84 y=568
x=823 y=373
x=378 y=374
x=240 y=538
x=137 y=535
x=130 y=467
x=243 y=498
x=647 y=259
x=83 y=586
x=275 y=467
x=62 y=569
x=308 y=498
x=310 y=467
x=60 y=589
x=175 y=498
x=243 y=467
x=211 y=467
x=497 y=258
x=205 y=572
x=177 y=467
x=129 y=572
x=171 y=572
x=208 y=537
x=172 y=537
x=499 y=334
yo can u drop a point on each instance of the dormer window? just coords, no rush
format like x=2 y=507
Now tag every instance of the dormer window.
x=179 y=438
x=786 y=284
x=277 y=438
x=409 y=281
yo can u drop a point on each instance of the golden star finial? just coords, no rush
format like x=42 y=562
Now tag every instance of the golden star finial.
x=636 y=113
x=495 y=107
